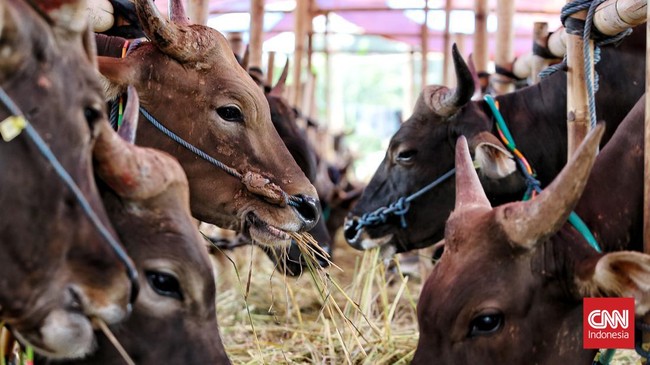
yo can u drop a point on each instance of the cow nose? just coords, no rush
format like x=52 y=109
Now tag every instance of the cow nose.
x=308 y=210
x=352 y=232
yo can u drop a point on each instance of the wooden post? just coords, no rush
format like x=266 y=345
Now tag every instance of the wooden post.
x=328 y=73
x=300 y=32
x=270 y=64
x=236 y=43
x=424 y=45
x=540 y=36
x=481 y=41
x=613 y=16
x=446 y=57
x=256 y=30
x=577 y=103
x=198 y=11
x=504 y=50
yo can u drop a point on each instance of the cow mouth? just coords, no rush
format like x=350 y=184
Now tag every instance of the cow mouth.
x=65 y=334
x=264 y=233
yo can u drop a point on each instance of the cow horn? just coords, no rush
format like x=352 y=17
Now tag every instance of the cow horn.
x=526 y=223
x=132 y=172
x=246 y=58
x=177 y=13
x=469 y=191
x=278 y=89
x=129 y=125
x=179 y=41
x=444 y=101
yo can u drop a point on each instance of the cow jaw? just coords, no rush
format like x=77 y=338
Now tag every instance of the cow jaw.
x=264 y=233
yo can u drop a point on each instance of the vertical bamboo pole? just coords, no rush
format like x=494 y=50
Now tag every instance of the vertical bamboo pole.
x=480 y=35
x=538 y=63
x=424 y=46
x=300 y=32
x=446 y=57
x=409 y=92
x=328 y=73
x=270 y=64
x=256 y=29
x=577 y=104
x=504 y=49
x=236 y=43
x=198 y=11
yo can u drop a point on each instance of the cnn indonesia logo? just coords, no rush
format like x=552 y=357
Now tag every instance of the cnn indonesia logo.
x=608 y=323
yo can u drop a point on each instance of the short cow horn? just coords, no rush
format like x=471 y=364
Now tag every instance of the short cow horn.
x=132 y=172
x=180 y=41
x=469 y=191
x=278 y=89
x=444 y=101
x=526 y=223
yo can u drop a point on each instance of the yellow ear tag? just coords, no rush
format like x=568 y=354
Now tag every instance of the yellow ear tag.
x=11 y=127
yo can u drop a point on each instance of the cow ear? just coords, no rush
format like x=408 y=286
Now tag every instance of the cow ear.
x=492 y=157
x=118 y=74
x=618 y=274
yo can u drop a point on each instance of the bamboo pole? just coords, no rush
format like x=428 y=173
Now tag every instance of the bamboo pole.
x=577 y=108
x=446 y=57
x=301 y=12
x=424 y=46
x=504 y=50
x=538 y=63
x=610 y=18
x=270 y=64
x=328 y=73
x=198 y=11
x=480 y=53
x=256 y=29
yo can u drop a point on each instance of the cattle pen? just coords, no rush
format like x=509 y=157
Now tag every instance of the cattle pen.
x=324 y=182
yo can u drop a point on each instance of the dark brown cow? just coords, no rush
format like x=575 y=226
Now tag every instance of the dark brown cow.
x=147 y=199
x=189 y=79
x=55 y=269
x=422 y=150
x=508 y=289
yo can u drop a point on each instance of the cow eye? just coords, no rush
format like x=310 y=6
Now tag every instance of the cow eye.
x=231 y=113
x=406 y=156
x=164 y=284
x=485 y=324
x=92 y=114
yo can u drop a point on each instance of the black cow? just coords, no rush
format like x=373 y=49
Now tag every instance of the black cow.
x=422 y=150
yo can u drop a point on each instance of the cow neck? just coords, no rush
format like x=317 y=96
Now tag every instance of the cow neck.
x=612 y=203
x=536 y=117
x=529 y=174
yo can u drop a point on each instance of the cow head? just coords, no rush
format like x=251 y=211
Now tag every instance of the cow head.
x=422 y=151
x=188 y=78
x=56 y=269
x=508 y=288
x=147 y=198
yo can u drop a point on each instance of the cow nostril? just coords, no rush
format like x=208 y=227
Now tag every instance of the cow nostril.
x=308 y=209
x=351 y=230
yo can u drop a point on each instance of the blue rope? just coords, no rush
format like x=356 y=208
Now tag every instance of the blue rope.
x=291 y=200
x=69 y=182
x=401 y=206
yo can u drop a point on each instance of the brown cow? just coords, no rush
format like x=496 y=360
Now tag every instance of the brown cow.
x=55 y=269
x=188 y=78
x=147 y=198
x=509 y=287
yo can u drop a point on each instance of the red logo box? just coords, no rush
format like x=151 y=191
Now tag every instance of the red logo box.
x=608 y=323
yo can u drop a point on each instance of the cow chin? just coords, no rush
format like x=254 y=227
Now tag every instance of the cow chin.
x=264 y=233
x=63 y=335
x=367 y=242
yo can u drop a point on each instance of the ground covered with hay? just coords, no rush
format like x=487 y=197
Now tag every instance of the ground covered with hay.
x=355 y=313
